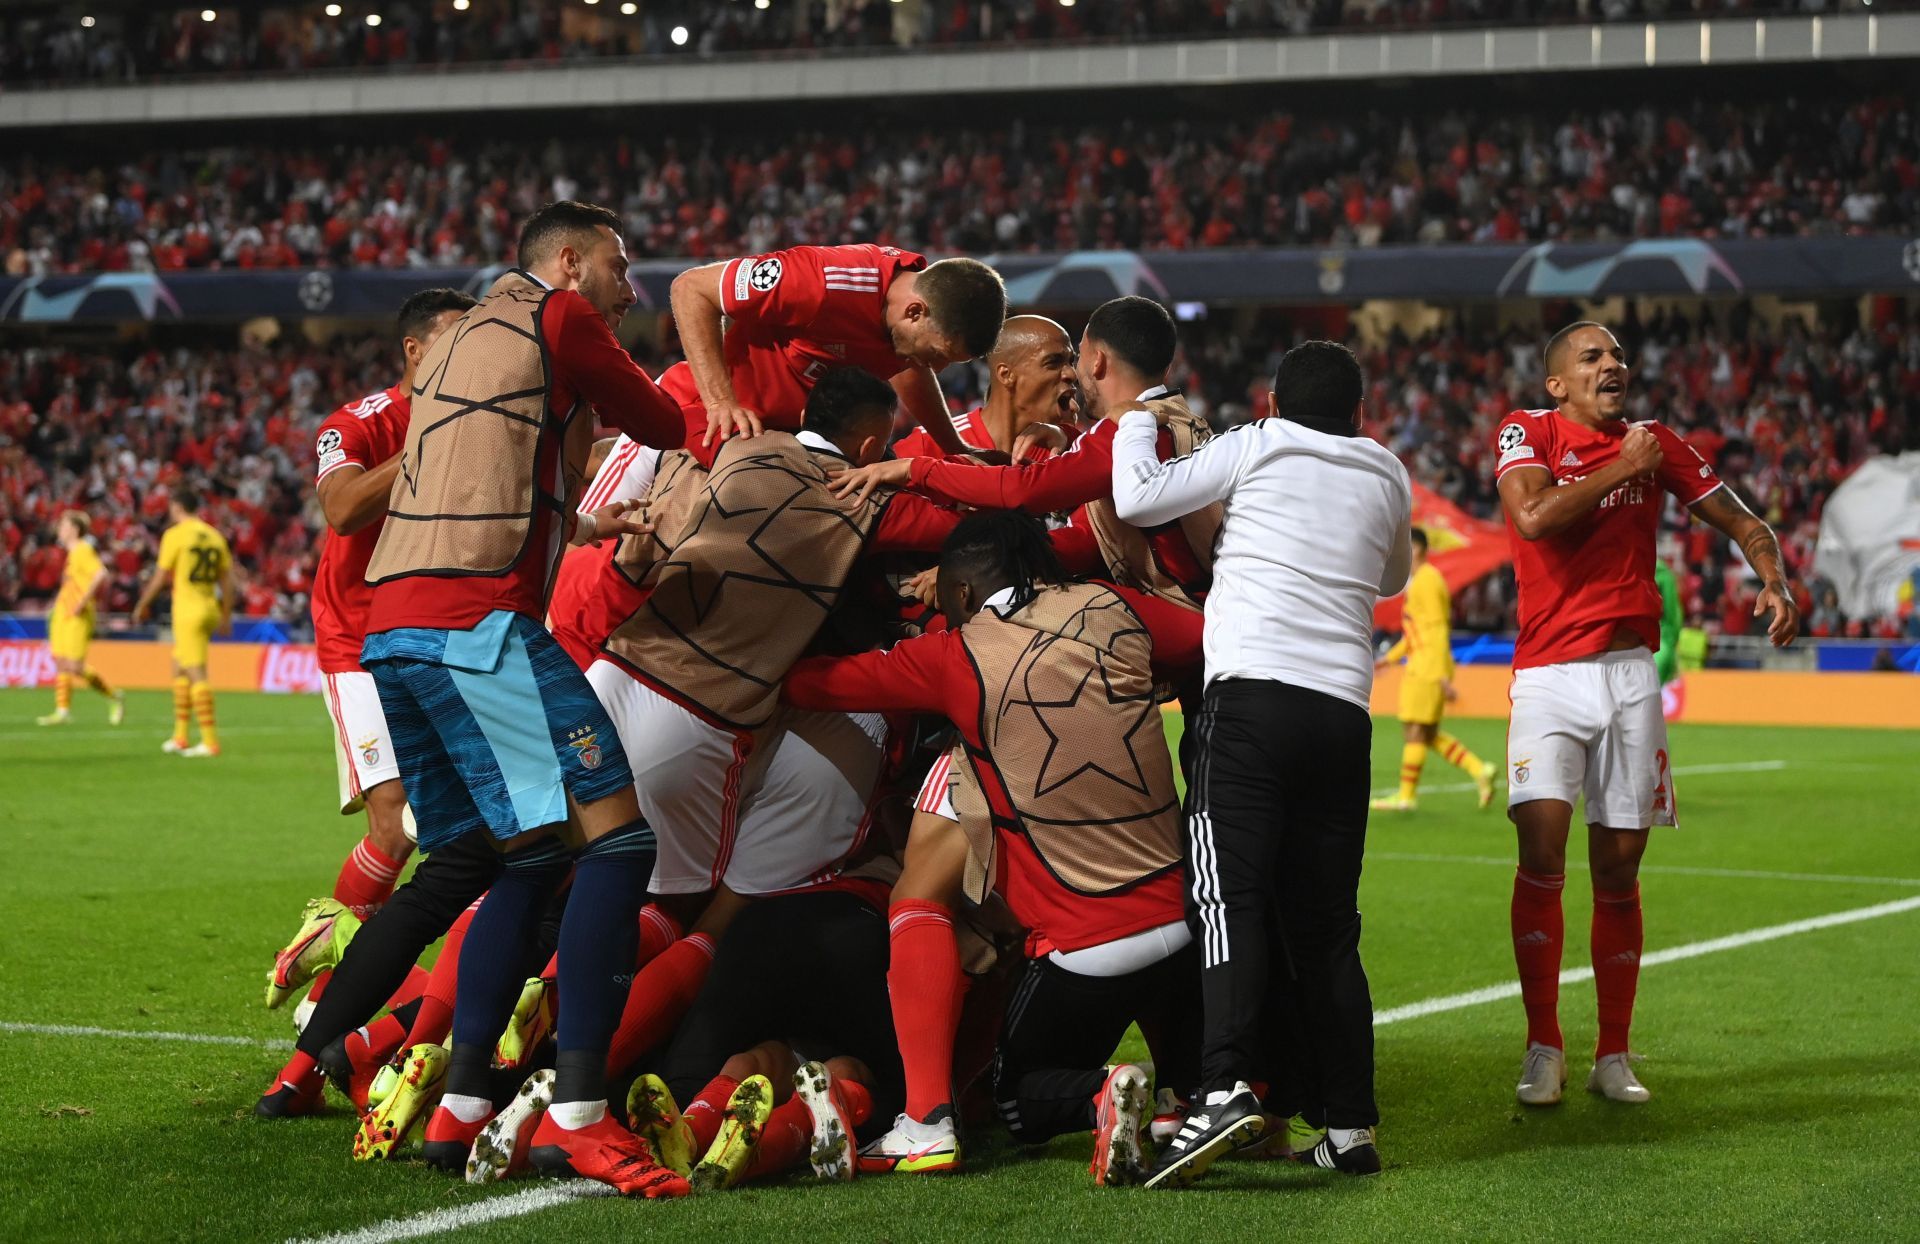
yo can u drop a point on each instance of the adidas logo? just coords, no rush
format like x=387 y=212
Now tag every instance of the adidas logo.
x=1570 y=460
x=1624 y=957
x=1536 y=938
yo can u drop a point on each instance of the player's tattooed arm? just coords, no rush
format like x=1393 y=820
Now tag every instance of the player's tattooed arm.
x=1539 y=508
x=1727 y=514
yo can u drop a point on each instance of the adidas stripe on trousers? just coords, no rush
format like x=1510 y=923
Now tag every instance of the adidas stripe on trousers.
x=1276 y=831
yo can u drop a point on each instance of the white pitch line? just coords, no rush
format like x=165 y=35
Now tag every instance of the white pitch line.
x=1738 y=766
x=532 y=1201
x=1677 y=870
x=142 y=1034
x=1673 y=954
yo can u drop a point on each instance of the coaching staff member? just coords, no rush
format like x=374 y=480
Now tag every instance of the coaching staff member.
x=1317 y=526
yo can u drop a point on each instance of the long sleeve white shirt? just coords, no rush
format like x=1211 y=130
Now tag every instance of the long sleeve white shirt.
x=1316 y=529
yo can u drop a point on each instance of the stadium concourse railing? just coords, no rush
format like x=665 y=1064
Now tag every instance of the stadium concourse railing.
x=1821 y=682
x=947 y=72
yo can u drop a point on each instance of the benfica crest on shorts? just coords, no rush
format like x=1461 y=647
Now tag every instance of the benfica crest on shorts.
x=370 y=751
x=587 y=746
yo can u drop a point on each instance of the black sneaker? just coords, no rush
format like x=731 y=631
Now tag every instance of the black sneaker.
x=1357 y=1157
x=1208 y=1133
x=287 y=1101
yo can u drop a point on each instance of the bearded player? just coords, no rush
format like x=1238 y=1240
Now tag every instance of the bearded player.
x=759 y=331
x=1583 y=489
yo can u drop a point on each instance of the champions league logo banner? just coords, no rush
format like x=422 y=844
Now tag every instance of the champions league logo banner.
x=1732 y=268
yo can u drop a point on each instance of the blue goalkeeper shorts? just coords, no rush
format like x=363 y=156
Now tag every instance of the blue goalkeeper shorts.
x=492 y=727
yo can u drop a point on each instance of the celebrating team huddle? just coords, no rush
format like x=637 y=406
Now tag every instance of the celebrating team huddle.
x=793 y=797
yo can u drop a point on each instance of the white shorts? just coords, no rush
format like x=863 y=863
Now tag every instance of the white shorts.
x=936 y=793
x=759 y=812
x=1592 y=727
x=362 y=748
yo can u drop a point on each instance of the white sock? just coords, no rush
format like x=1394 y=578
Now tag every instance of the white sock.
x=1344 y=1138
x=1220 y=1096
x=467 y=1109
x=574 y=1115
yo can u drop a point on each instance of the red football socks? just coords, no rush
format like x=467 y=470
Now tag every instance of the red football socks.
x=927 y=987
x=706 y=1112
x=1618 y=938
x=435 y=1018
x=854 y=1099
x=1539 y=930
x=660 y=996
x=366 y=879
x=784 y=1141
x=658 y=931
x=301 y=1072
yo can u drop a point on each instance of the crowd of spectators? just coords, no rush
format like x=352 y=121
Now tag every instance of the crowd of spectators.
x=1710 y=168
x=1784 y=413
x=137 y=42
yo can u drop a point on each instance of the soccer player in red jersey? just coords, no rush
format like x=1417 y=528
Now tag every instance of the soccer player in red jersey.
x=1079 y=787
x=358 y=451
x=1032 y=398
x=1583 y=490
x=499 y=736
x=793 y=315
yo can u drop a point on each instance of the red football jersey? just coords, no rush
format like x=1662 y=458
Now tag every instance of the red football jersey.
x=1578 y=587
x=363 y=434
x=795 y=315
x=972 y=431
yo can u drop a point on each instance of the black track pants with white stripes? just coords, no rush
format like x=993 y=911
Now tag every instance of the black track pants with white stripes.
x=1276 y=829
x=1062 y=1027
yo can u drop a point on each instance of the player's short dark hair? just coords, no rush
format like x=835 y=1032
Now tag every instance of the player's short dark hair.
x=186 y=498
x=1004 y=545
x=1550 y=356
x=1137 y=331
x=1318 y=383
x=842 y=398
x=419 y=311
x=566 y=223
x=966 y=298
x=1419 y=537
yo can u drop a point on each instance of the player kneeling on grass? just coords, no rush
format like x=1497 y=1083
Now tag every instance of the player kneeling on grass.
x=1587 y=719
x=1068 y=806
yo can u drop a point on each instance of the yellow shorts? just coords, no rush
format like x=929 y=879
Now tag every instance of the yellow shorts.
x=69 y=637
x=192 y=633
x=1422 y=700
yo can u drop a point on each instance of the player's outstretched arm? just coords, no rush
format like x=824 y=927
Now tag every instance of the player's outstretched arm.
x=1729 y=515
x=920 y=394
x=1539 y=509
x=697 y=314
x=1148 y=492
x=352 y=498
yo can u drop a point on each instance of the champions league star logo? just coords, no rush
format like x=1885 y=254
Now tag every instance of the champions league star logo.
x=316 y=291
x=765 y=275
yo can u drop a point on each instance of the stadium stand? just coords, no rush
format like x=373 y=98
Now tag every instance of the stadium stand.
x=160 y=41
x=1704 y=167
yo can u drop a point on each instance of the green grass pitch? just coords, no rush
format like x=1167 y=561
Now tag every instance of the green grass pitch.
x=146 y=893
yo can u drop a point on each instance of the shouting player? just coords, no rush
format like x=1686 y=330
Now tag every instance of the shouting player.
x=359 y=456
x=1427 y=684
x=1583 y=488
x=793 y=315
x=70 y=629
x=1032 y=397
x=497 y=731
x=197 y=559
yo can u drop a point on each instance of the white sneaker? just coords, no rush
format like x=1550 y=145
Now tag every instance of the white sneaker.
x=914 y=1148
x=830 y=1151
x=58 y=717
x=200 y=751
x=1613 y=1079
x=173 y=747
x=1542 y=1076
x=117 y=711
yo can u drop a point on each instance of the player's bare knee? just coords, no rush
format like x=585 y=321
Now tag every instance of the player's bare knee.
x=1613 y=857
x=387 y=820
